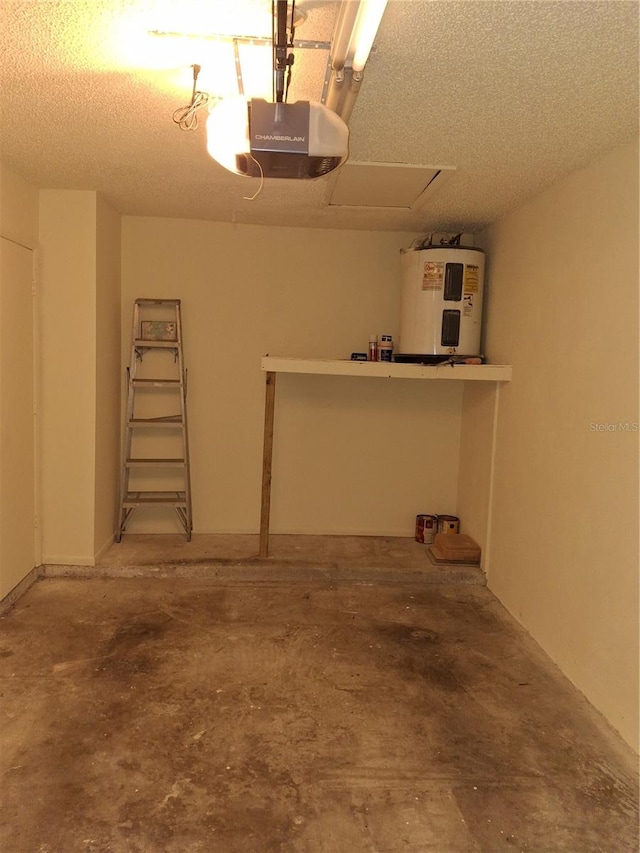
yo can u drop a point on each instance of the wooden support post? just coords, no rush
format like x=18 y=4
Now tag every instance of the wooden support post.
x=267 y=453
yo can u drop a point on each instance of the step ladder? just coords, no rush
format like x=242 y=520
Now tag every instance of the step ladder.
x=156 y=416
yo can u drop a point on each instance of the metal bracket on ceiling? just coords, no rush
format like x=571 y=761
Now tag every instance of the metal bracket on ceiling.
x=300 y=44
x=237 y=40
x=236 y=57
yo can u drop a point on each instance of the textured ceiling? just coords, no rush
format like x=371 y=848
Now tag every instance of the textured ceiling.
x=513 y=94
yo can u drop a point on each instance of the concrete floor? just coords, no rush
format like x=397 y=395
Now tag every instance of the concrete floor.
x=260 y=712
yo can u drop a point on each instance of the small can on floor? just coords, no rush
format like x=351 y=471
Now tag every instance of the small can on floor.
x=426 y=528
x=448 y=524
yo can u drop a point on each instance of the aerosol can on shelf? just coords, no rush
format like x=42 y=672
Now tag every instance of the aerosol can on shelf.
x=385 y=348
x=373 y=348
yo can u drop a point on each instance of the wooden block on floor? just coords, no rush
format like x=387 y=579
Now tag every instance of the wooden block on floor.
x=455 y=548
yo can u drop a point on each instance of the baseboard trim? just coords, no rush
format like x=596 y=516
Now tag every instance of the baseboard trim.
x=103 y=550
x=20 y=588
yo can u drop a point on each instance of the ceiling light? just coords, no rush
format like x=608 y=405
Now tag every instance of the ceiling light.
x=367 y=23
x=356 y=28
x=228 y=131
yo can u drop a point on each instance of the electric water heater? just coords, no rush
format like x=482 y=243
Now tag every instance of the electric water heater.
x=440 y=303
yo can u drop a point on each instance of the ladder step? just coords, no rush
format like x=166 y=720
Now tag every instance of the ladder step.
x=156 y=383
x=171 y=421
x=157 y=302
x=144 y=343
x=133 y=499
x=154 y=463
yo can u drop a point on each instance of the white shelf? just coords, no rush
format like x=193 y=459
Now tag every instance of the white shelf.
x=387 y=370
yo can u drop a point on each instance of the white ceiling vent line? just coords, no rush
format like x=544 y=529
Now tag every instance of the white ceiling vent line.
x=403 y=186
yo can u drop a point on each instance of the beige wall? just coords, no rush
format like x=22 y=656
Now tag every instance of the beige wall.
x=68 y=370
x=18 y=209
x=80 y=374
x=18 y=234
x=478 y=441
x=563 y=309
x=350 y=456
x=108 y=377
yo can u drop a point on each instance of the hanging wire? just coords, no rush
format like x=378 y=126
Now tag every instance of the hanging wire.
x=259 y=190
x=187 y=117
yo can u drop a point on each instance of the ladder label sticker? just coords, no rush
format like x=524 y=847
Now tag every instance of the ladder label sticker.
x=471 y=278
x=433 y=275
x=158 y=330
